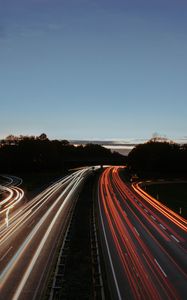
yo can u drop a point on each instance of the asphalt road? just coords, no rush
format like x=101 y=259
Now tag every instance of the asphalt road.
x=11 y=196
x=28 y=244
x=144 y=242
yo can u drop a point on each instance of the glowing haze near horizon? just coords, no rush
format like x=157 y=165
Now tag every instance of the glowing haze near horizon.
x=93 y=69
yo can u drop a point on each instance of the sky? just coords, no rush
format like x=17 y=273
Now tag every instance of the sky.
x=93 y=69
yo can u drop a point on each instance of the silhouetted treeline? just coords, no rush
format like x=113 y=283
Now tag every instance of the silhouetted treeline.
x=158 y=158
x=41 y=154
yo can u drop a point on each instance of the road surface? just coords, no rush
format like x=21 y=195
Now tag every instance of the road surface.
x=144 y=243
x=28 y=244
x=11 y=196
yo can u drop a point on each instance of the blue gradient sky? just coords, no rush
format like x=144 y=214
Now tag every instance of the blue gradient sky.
x=83 y=69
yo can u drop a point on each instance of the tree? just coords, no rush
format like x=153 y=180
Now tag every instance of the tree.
x=43 y=137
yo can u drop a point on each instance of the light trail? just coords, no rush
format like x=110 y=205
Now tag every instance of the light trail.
x=27 y=209
x=9 y=197
x=34 y=231
x=43 y=241
x=33 y=206
x=15 y=195
x=36 y=227
x=168 y=213
x=151 y=257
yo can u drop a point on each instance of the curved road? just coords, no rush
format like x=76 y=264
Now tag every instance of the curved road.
x=28 y=244
x=145 y=243
x=11 y=196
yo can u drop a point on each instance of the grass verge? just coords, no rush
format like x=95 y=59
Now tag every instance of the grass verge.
x=173 y=195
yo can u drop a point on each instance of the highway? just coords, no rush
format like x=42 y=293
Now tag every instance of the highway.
x=11 y=196
x=28 y=243
x=10 y=180
x=144 y=243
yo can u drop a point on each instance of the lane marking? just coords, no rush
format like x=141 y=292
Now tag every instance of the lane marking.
x=162 y=226
x=19 y=221
x=108 y=250
x=136 y=231
x=160 y=267
x=146 y=210
x=70 y=187
x=153 y=218
x=68 y=191
x=175 y=238
x=6 y=253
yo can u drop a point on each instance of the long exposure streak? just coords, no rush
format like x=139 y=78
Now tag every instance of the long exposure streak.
x=147 y=241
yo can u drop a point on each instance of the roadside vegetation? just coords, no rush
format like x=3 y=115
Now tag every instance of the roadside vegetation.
x=161 y=160
x=39 y=154
x=158 y=160
x=173 y=195
x=35 y=182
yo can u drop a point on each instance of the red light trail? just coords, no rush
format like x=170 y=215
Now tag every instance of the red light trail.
x=147 y=245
